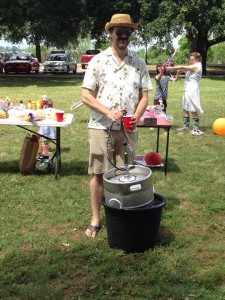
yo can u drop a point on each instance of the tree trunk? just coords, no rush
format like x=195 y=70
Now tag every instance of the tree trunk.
x=38 y=51
x=146 y=53
x=203 y=49
x=199 y=44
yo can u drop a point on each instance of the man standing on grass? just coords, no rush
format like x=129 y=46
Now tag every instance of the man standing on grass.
x=116 y=81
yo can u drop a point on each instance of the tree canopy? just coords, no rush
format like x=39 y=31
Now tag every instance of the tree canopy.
x=57 y=22
x=50 y=22
x=100 y=12
x=202 y=22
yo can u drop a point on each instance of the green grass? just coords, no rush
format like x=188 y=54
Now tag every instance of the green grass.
x=43 y=251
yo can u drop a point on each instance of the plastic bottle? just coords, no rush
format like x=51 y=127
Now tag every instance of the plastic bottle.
x=34 y=105
x=38 y=104
x=29 y=104
x=44 y=101
x=21 y=104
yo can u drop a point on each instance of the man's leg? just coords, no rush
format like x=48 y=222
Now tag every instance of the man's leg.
x=98 y=165
x=96 y=193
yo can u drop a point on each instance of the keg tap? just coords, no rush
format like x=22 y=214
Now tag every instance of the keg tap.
x=126 y=160
x=127 y=177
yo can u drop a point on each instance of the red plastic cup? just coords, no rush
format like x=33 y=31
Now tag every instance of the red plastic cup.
x=126 y=123
x=59 y=116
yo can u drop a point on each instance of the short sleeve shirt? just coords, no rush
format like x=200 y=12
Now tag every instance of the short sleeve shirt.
x=115 y=86
x=192 y=79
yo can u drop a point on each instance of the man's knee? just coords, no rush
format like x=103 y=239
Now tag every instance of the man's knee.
x=97 y=178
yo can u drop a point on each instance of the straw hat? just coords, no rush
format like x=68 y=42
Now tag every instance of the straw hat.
x=121 y=20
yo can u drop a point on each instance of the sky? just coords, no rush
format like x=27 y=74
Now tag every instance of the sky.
x=4 y=43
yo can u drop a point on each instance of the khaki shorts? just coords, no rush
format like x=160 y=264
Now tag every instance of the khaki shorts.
x=98 y=161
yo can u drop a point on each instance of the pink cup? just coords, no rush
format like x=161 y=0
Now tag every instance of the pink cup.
x=126 y=123
x=59 y=116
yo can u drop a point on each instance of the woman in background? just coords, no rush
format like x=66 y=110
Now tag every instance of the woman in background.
x=191 y=95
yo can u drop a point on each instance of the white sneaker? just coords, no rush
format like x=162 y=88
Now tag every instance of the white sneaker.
x=197 y=132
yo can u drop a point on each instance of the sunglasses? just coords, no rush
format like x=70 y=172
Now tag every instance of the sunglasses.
x=120 y=32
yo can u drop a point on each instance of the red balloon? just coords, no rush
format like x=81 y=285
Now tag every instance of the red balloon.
x=153 y=158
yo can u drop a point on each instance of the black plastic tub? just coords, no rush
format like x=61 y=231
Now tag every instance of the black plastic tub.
x=134 y=230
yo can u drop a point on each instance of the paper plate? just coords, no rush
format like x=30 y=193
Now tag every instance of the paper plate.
x=140 y=160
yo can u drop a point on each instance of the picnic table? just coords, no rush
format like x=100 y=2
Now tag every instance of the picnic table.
x=47 y=122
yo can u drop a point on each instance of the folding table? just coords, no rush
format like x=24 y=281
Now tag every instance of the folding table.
x=47 y=122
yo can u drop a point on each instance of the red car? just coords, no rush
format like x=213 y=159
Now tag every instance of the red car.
x=22 y=63
x=1 y=66
x=85 y=58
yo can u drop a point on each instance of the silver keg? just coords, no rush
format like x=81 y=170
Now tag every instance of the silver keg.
x=128 y=189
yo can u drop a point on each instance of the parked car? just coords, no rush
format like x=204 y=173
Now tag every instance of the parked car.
x=5 y=56
x=55 y=51
x=22 y=63
x=60 y=63
x=1 y=64
x=85 y=58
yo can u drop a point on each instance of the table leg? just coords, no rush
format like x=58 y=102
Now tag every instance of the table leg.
x=157 y=147
x=58 y=153
x=167 y=150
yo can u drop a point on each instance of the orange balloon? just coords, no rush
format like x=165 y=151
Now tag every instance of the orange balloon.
x=219 y=126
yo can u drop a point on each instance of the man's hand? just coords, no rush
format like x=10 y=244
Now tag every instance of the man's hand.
x=134 y=121
x=115 y=114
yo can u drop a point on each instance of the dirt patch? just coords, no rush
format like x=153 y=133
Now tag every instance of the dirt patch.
x=78 y=234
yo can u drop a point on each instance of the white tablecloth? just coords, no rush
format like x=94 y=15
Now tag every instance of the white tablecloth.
x=47 y=122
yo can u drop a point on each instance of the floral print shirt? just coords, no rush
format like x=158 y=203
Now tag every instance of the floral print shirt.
x=115 y=86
